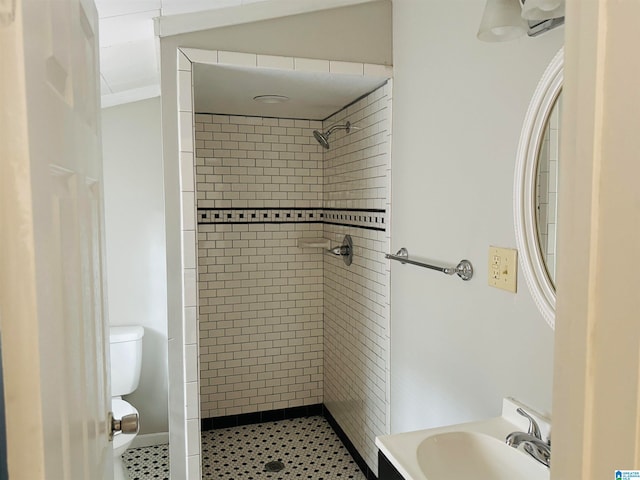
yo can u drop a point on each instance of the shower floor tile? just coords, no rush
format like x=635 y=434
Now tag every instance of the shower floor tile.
x=301 y=448
x=305 y=448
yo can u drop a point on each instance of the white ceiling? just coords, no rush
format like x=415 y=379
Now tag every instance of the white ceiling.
x=129 y=61
x=229 y=89
x=129 y=66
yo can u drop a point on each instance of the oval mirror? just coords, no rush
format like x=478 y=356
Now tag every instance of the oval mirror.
x=535 y=189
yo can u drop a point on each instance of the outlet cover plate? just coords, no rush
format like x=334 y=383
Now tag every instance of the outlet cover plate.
x=503 y=268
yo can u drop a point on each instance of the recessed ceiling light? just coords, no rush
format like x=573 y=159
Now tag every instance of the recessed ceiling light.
x=271 y=98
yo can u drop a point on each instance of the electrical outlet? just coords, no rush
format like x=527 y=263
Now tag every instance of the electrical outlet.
x=503 y=268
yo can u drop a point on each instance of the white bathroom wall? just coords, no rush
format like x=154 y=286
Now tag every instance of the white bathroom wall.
x=135 y=245
x=458 y=347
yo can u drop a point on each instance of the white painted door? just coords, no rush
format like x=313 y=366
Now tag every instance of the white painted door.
x=596 y=391
x=51 y=236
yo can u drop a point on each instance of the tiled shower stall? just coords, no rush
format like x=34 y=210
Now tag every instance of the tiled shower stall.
x=281 y=325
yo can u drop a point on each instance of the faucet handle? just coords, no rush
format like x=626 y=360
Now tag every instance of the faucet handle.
x=533 y=425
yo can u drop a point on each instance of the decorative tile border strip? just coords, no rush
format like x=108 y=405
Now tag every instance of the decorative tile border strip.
x=219 y=216
x=367 y=218
x=370 y=219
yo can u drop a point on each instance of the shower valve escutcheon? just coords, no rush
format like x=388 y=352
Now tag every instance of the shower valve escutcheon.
x=345 y=250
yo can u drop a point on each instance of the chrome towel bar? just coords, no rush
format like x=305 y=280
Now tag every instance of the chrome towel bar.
x=464 y=269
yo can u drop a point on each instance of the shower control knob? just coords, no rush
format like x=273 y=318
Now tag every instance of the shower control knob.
x=127 y=424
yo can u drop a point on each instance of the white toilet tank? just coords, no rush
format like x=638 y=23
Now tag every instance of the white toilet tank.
x=126 y=358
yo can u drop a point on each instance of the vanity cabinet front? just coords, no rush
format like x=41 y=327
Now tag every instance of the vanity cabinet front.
x=386 y=471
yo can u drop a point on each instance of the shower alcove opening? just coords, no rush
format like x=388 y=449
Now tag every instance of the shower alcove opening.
x=269 y=326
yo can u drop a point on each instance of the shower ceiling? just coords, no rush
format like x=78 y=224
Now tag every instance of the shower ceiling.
x=313 y=96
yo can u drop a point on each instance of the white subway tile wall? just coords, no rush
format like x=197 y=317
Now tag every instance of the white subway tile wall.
x=257 y=162
x=261 y=304
x=183 y=342
x=281 y=326
x=260 y=318
x=357 y=173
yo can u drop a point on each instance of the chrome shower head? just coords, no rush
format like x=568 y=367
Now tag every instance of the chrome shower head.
x=323 y=138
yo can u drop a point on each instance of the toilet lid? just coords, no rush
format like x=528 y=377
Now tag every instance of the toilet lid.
x=120 y=408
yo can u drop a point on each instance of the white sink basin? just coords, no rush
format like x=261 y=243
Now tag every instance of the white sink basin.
x=466 y=451
x=463 y=455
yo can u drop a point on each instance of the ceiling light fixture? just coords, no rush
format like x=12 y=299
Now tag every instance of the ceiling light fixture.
x=271 y=98
x=501 y=21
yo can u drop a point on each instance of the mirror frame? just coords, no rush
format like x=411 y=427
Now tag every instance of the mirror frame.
x=524 y=191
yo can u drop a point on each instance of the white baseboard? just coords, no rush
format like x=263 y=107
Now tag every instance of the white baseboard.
x=150 y=440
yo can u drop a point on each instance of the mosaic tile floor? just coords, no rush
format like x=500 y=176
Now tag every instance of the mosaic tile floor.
x=147 y=463
x=301 y=448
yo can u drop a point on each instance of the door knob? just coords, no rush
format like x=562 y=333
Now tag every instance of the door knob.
x=127 y=424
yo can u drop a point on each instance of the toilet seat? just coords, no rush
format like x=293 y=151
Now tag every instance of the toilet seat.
x=120 y=408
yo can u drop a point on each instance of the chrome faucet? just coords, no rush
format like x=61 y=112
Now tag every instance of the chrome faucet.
x=531 y=441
